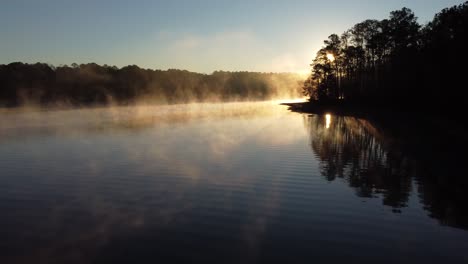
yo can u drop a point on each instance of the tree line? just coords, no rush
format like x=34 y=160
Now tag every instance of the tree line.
x=395 y=61
x=92 y=84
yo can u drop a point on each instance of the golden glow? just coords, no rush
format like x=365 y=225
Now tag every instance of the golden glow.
x=296 y=100
x=327 y=121
x=304 y=73
x=330 y=57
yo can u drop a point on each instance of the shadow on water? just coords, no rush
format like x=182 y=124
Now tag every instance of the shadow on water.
x=388 y=160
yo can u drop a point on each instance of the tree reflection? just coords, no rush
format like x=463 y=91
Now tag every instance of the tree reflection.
x=377 y=166
x=352 y=149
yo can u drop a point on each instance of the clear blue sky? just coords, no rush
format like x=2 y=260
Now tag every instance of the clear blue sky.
x=197 y=35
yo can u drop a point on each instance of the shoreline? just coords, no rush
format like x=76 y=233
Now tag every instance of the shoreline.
x=339 y=108
x=403 y=121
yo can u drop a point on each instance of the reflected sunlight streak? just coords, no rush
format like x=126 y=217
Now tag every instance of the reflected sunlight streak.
x=327 y=121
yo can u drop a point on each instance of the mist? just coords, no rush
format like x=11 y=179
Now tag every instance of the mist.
x=43 y=85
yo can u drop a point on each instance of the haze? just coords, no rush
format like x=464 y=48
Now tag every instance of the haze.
x=200 y=36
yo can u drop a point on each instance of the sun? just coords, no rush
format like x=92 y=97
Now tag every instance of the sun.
x=330 y=57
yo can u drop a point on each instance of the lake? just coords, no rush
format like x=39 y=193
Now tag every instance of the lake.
x=224 y=183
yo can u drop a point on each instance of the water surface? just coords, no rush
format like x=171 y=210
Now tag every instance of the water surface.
x=225 y=183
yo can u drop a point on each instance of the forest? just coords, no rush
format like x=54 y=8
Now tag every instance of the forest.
x=395 y=62
x=92 y=84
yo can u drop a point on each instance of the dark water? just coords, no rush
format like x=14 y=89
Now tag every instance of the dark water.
x=233 y=183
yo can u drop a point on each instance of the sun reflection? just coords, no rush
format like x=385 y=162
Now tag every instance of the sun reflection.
x=327 y=121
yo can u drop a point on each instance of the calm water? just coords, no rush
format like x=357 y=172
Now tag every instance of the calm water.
x=232 y=183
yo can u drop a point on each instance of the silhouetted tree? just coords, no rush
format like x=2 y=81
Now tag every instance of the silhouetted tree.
x=396 y=62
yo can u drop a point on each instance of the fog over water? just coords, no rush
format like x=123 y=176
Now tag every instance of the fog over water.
x=246 y=182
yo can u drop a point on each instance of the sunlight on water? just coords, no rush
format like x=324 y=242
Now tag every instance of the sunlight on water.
x=124 y=183
x=327 y=121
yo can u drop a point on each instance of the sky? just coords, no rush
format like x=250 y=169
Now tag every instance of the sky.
x=195 y=35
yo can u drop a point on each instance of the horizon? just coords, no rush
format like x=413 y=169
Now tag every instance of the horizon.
x=197 y=37
x=154 y=69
